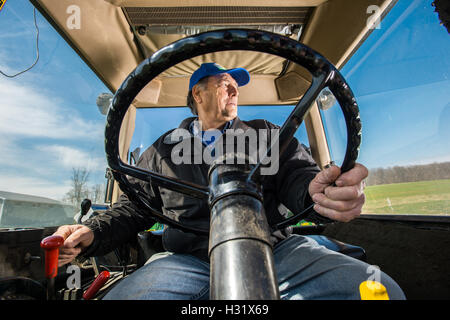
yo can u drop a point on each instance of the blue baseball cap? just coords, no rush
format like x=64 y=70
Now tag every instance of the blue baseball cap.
x=241 y=75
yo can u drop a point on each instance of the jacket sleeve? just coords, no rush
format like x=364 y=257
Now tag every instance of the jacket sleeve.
x=124 y=220
x=296 y=170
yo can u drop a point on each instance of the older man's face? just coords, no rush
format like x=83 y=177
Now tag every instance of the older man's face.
x=219 y=99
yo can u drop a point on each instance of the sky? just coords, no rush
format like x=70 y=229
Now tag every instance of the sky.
x=50 y=122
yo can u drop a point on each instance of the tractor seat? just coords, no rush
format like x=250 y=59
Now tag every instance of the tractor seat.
x=341 y=247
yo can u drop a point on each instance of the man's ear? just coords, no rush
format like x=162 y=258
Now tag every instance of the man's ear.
x=196 y=94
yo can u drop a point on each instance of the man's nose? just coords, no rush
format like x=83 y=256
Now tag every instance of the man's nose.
x=233 y=91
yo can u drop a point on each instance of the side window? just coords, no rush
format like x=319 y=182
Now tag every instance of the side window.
x=400 y=77
x=52 y=133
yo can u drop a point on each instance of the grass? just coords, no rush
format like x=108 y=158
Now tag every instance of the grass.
x=423 y=197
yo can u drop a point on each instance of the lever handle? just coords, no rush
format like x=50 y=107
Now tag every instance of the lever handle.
x=51 y=246
x=96 y=285
x=85 y=206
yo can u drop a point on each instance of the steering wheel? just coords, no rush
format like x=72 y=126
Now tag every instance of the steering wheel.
x=324 y=74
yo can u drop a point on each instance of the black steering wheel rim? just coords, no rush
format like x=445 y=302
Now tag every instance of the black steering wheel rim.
x=323 y=72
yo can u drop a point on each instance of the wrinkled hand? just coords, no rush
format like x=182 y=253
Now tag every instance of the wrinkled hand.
x=344 y=201
x=76 y=238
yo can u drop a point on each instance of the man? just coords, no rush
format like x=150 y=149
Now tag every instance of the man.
x=305 y=270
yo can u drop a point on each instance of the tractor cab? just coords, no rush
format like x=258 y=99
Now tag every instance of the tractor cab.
x=353 y=81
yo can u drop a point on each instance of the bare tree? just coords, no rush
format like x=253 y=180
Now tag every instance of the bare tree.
x=79 y=190
x=97 y=193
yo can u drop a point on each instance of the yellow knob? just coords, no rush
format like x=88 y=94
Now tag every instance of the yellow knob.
x=373 y=290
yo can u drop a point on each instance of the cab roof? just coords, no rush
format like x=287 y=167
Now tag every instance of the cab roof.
x=114 y=36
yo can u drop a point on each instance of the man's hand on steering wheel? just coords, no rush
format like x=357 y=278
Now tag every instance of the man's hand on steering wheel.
x=343 y=200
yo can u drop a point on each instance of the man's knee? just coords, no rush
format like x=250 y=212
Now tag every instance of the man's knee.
x=367 y=282
x=309 y=270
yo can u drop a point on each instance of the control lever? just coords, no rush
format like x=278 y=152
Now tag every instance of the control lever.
x=96 y=285
x=85 y=206
x=51 y=246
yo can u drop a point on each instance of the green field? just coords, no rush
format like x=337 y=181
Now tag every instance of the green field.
x=423 y=197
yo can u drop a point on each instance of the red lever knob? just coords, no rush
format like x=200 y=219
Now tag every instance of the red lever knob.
x=96 y=285
x=51 y=246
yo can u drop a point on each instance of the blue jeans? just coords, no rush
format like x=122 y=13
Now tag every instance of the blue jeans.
x=305 y=270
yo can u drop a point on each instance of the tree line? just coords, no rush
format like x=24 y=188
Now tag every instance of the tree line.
x=412 y=173
x=396 y=174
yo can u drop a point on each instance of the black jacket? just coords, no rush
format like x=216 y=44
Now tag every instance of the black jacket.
x=289 y=186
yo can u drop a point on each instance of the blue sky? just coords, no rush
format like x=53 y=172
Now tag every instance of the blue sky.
x=50 y=122
x=400 y=77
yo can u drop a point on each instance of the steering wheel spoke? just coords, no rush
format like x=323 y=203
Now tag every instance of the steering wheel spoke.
x=160 y=180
